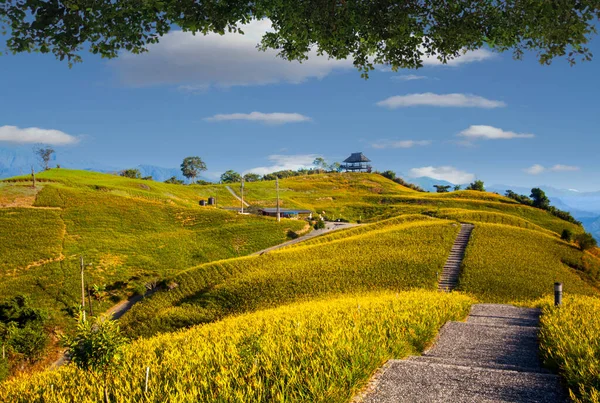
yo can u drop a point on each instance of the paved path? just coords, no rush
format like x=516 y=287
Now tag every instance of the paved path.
x=492 y=357
x=329 y=227
x=449 y=279
x=236 y=196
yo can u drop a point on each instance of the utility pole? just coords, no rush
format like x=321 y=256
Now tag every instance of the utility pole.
x=82 y=287
x=277 y=187
x=242 y=195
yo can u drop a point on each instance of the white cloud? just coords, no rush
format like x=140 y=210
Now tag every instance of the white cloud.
x=564 y=168
x=223 y=60
x=491 y=133
x=538 y=169
x=284 y=162
x=446 y=173
x=275 y=118
x=441 y=100
x=535 y=169
x=233 y=59
x=400 y=143
x=32 y=135
x=408 y=77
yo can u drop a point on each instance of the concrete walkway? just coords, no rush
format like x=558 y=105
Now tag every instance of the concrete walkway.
x=492 y=357
x=329 y=227
x=236 y=196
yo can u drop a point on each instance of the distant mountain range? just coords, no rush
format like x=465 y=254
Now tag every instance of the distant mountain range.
x=19 y=160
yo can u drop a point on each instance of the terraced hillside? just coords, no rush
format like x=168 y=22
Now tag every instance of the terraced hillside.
x=136 y=232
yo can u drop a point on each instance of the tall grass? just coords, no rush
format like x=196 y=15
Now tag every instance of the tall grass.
x=322 y=351
x=396 y=257
x=508 y=264
x=570 y=341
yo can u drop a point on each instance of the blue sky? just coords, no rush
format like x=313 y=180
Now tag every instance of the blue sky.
x=522 y=123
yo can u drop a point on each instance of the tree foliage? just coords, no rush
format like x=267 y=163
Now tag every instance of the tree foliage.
x=395 y=33
x=251 y=177
x=231 y=177
x=131 y=173
x=191 y=167
x=477 y=185
x=585 y=241
x=442 y=188
x=173 y=180
x=539 y=198
x=44 y=153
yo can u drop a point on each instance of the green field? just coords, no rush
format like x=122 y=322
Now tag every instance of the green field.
x=321 y=351
x=138 y=233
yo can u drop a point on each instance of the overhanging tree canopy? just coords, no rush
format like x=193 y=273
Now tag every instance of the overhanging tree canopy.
x=396 y=33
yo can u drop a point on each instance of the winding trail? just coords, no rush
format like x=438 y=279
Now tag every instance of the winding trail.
x=492 y=357
x=236 y=196
x=329 y=227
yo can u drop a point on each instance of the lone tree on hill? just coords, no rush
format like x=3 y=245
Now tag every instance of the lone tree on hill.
x=477 y=185
x=191 y=167
x=231 y=177
x=378 y=32
x=320 y=164
x=131 y=173
x=442 y=188
x=251 y=177
x=44 y=153
x=335 y=167
x=540 y=200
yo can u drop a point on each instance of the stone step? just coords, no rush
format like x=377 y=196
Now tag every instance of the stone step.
x=467 y=363
x=478 y=344
x=418 y=381
x=503 y=315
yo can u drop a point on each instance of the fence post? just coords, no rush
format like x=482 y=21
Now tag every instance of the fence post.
x=558 y=294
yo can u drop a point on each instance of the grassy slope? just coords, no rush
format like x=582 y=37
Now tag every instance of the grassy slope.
x=130 y=236
x=508 y=264
x=322 y=351
x=396 y=256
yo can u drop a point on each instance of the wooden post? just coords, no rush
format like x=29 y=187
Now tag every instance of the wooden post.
x=90 y=300
x=277 y=188
x=558 y=294
x=33 y=176
x=82 y=287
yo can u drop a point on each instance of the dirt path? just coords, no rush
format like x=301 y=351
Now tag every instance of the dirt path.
x=329 y=227
x=236 y=196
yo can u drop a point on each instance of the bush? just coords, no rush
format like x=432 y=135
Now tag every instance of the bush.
x=4 y=371
x=131 y=173
x=320 y=224
x=567 y=235
x=585 y=241
x=477 y=185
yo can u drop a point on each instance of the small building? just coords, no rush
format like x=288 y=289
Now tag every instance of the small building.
x=357 y=162
x=285 y=212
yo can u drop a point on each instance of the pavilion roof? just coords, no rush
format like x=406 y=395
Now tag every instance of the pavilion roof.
x=357 y=157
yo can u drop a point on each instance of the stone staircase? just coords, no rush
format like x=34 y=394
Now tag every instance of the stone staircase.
x=449 y=278
x=492 y=357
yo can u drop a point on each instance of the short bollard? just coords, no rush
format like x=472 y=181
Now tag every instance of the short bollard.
x=557 y=294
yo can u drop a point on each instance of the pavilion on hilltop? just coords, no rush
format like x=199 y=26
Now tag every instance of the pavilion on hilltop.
x=357 y=162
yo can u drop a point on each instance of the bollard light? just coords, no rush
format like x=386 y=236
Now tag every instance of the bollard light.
x=558 y=294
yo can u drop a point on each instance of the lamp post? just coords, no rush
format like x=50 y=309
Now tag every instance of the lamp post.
x=278 y=210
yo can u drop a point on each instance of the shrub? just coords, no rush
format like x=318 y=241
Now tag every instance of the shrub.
x=4 y=371
x=567 y=235
x=585 y=241
x=320 y=224
x=477 y=185
x=173 y=180
x=131 y=173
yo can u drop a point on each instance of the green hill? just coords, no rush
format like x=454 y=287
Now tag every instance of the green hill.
x=137 y=234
